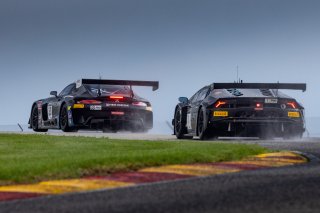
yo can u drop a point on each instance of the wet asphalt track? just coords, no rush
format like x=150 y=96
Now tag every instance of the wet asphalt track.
x=289 y=189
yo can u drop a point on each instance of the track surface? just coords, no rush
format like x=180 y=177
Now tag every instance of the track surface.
x=289 y=189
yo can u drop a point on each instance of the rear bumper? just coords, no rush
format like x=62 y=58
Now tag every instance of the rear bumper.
x=253 y=123
x=257 y=120
x=122 y=118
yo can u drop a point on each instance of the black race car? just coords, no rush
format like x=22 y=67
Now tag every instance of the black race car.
x=110 y=105
x=240 y=109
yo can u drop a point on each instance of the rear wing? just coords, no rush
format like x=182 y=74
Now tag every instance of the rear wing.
x=291 y=86
x=153 y=84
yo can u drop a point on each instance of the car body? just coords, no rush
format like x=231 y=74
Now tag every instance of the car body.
x=110 y=105
x=240 y=109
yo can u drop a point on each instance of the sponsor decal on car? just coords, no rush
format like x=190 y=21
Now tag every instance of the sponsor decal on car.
x=116 y=105
x=271 y=100
x=69 y=114
x=294 y=114
x=39 y=105
x=78 y=106
x=220 y=113
x=95 y=107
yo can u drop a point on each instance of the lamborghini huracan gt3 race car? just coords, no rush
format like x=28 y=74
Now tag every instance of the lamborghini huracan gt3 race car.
x=240 y=109
x=110 y=105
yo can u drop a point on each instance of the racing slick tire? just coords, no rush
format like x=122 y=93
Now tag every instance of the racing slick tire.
x=202 y=125
x=179 y=124
x=64 y=124
x=34 y=120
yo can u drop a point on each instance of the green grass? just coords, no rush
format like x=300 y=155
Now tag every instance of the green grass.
x=30 y=158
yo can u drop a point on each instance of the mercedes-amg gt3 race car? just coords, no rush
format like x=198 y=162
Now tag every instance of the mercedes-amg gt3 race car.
x=240 y=109
x=109 y=105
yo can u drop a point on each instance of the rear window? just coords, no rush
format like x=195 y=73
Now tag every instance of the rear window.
x=107 y=89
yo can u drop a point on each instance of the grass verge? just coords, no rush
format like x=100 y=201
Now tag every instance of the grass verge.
x=30 y=158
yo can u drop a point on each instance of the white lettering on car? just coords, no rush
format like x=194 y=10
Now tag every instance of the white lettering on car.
x=189 y=121
x=49 y=112
x=95 y=107
x=117 y=105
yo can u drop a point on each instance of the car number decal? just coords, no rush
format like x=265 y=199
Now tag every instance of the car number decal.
x=49 y=112
x=189 y=121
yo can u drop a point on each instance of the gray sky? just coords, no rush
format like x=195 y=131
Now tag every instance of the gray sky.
x=185 y=44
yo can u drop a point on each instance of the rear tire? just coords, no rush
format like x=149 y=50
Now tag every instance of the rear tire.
x=35 y=120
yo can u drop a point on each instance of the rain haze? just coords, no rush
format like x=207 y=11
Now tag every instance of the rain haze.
x=183 y=44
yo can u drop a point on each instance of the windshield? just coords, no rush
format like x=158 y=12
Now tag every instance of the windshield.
x=106 y=90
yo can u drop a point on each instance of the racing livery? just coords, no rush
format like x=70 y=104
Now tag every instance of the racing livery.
x=240 y=109
x=110 y=105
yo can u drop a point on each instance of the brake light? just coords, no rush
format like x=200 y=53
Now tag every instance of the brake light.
x=258 y=106
x=220 y=103
x=89 y=102
x=293 y=105
x=117 y=113
x=116 y=97
x=141 y=104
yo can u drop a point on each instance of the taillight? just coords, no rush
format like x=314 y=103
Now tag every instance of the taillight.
x=219 y=104
x=89 y=102
x=259 y=106
x=292 y=105
x=141 y=104
x=117 y=113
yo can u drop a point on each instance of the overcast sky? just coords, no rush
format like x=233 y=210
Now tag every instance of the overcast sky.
x=185 y=44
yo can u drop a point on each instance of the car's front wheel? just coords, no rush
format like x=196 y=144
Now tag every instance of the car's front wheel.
x=35 y=120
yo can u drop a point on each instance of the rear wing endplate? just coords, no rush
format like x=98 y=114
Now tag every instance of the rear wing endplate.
x=290 y=86
x=153 y=84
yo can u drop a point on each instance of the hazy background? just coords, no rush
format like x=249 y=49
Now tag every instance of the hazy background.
x=185 y=44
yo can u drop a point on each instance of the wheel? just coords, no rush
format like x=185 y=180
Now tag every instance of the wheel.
x=64 y=124
x=179 y=125
x=34 y=120
x=202 y=125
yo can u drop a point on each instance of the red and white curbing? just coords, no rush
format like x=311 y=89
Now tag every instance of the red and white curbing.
x=149 y=175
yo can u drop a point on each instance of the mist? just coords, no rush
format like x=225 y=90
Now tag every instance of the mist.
x=183 y=44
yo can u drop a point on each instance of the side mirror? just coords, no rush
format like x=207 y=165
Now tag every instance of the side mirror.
x=54 y=93
x=183 y=100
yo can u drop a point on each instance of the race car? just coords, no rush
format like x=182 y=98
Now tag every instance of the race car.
x=108 y=105
x=242 y=110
